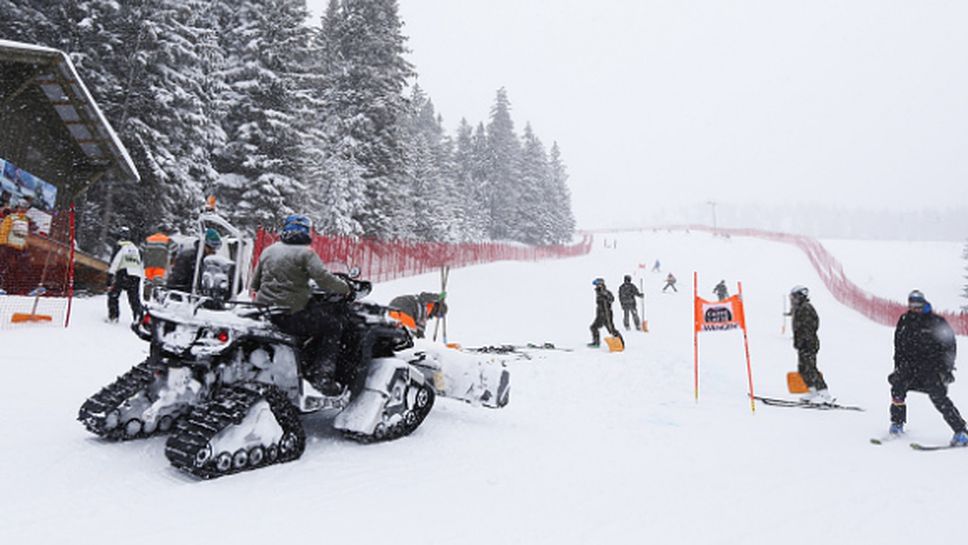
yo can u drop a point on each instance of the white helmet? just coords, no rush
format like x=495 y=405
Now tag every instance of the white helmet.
x=799 y=291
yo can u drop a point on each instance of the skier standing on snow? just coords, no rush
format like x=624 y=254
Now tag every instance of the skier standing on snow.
x=627 y=293
x=805 y=341
x=282 y=279
x=656 y=267
x=924 y=358
x=125 y=274
x=721 y=291
x=603 y=313
x=670 y=283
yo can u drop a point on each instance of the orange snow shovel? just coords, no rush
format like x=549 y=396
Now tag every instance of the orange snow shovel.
x=22 y=317
x=615 y=344
x=795 y=383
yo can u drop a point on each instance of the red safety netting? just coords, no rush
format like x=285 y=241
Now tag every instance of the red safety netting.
x=878 y=309
x=380 y=260
x=37 y=279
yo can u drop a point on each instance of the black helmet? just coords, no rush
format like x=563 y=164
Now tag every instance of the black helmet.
x=628 y=278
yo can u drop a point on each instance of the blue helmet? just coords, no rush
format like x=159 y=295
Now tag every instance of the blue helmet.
x=297 y=228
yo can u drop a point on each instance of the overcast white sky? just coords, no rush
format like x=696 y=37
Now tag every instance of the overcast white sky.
x=670 y=102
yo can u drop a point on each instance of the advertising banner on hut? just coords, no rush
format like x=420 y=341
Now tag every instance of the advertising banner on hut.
x=19 y=187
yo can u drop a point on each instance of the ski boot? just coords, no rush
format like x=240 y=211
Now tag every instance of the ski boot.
x=593 y=345
x=809 y=396
x=960 y=439
x=896 y=429
x=822 y=396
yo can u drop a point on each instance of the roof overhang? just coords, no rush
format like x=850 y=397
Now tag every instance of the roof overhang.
x=54 y=73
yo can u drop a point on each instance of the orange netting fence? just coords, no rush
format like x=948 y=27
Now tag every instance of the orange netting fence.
x=380 y=260
x=880 y=310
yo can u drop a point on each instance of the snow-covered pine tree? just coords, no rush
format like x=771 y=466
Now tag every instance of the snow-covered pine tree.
x=365 y=79
x=28 y=21
x=430 y=167
x=564 y=219
x=335 y=199
x=481 y=178
x=533 y=221
x=164 y=115
x=503 y=153
x=268 y=117
x=149 y=65
x=471 y=199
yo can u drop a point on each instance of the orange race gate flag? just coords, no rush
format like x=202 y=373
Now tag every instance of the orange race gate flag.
x=719 y=316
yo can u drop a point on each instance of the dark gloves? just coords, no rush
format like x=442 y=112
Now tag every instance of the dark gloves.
x=110 y=280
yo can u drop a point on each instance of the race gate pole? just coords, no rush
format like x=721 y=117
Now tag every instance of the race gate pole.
x=70 y=269
x=645 y=319
x=695 y=336
x=783 y=328
x=746 y=344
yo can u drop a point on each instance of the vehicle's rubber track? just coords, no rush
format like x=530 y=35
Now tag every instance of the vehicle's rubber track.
x=412 y=418
x=189 y=447
x=95 y=412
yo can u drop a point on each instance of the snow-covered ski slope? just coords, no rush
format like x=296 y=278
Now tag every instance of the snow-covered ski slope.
x=593 y=448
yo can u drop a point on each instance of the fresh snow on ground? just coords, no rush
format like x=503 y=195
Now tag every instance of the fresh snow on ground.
x=593 y=448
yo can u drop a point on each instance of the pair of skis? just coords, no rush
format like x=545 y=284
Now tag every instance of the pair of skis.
x=520 y=350
x=915 y=446
x=826 y=406
x=775 y=402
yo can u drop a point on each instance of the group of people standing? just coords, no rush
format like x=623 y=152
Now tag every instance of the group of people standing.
x=924 y=360
x=158 y=262
x=627 y=294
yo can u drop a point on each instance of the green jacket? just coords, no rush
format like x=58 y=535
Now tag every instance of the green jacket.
x=283 y=274
x=805 y=325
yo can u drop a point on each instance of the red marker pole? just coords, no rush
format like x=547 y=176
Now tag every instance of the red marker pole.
x=746 y=344
x=695 y=334
x=70 y=268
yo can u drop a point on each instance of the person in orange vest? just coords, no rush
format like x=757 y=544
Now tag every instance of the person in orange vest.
x=413 y=311
x=157 y=252
x=13 y=248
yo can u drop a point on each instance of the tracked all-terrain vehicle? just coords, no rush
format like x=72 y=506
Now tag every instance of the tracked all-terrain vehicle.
x=230 y=387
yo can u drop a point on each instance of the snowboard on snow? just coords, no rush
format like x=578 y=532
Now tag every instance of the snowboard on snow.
x=777 y=402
